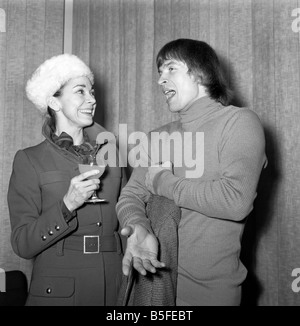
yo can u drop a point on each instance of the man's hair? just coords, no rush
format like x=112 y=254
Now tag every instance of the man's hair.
x=202 y=61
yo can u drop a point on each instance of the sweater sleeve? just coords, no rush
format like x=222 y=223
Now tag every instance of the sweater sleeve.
x=241 y=158
x=131 y=206
x=33 y=228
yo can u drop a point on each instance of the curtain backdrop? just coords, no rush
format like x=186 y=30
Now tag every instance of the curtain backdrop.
x=260 y=53
x=34 y=32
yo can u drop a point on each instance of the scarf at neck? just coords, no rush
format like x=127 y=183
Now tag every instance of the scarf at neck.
x=65 y=141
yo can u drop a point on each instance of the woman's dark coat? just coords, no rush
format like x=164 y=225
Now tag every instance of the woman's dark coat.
x=62 y=273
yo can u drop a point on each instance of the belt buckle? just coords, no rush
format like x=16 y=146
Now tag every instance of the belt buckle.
x=91 y=244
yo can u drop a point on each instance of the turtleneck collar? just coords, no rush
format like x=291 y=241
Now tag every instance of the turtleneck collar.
x=198 y=109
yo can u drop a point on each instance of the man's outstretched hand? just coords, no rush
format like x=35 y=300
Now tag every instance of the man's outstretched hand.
x=141 y=250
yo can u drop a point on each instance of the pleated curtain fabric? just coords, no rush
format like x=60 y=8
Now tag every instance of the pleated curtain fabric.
x=34 y=32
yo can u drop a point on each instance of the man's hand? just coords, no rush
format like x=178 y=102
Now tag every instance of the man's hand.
x=152 y=172
x=141 y=250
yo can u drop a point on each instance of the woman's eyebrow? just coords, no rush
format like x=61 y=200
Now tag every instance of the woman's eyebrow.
x=79 y=85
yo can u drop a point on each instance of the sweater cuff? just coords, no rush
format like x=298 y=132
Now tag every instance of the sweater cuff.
x=164 y=183
x=141 y=221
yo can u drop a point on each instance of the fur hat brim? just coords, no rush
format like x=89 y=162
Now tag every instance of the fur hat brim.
x=51 y=75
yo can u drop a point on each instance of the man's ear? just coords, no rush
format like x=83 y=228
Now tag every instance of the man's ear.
x=54 y=103
x=202 y=90
x=195 y=78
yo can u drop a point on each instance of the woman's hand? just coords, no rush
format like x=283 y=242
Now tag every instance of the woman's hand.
x=80 y=189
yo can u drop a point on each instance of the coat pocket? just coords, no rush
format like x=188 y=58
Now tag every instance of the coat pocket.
x=54 y=176
x=54 y=185
x=51 y=290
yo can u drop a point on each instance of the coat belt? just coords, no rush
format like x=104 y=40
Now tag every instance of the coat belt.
x=94 y=243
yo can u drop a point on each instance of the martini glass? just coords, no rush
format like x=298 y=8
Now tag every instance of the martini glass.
x=92 y=164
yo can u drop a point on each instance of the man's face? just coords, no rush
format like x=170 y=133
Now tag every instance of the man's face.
x=180 y=88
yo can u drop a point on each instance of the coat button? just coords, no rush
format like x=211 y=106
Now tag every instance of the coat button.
x=57 y=228
x=49 y=290
x=99 y=223
x=50 y=232
x=44 y=237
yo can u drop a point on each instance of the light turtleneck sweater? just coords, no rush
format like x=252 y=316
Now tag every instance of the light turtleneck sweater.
x=214 y=205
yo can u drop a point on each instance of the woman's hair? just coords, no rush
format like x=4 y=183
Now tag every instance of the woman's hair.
x=202 y=61
x=51 y=113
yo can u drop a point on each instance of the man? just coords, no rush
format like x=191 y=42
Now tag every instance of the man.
x=215 y=199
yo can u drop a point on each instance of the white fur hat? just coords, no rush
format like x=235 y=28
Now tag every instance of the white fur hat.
x=51 y=75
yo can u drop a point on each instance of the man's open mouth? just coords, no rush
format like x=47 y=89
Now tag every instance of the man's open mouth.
x=169 y=93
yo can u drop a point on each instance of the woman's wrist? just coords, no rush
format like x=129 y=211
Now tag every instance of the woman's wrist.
x=68 y=212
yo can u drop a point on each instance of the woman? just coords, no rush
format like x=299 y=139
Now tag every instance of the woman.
x=75 y=245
